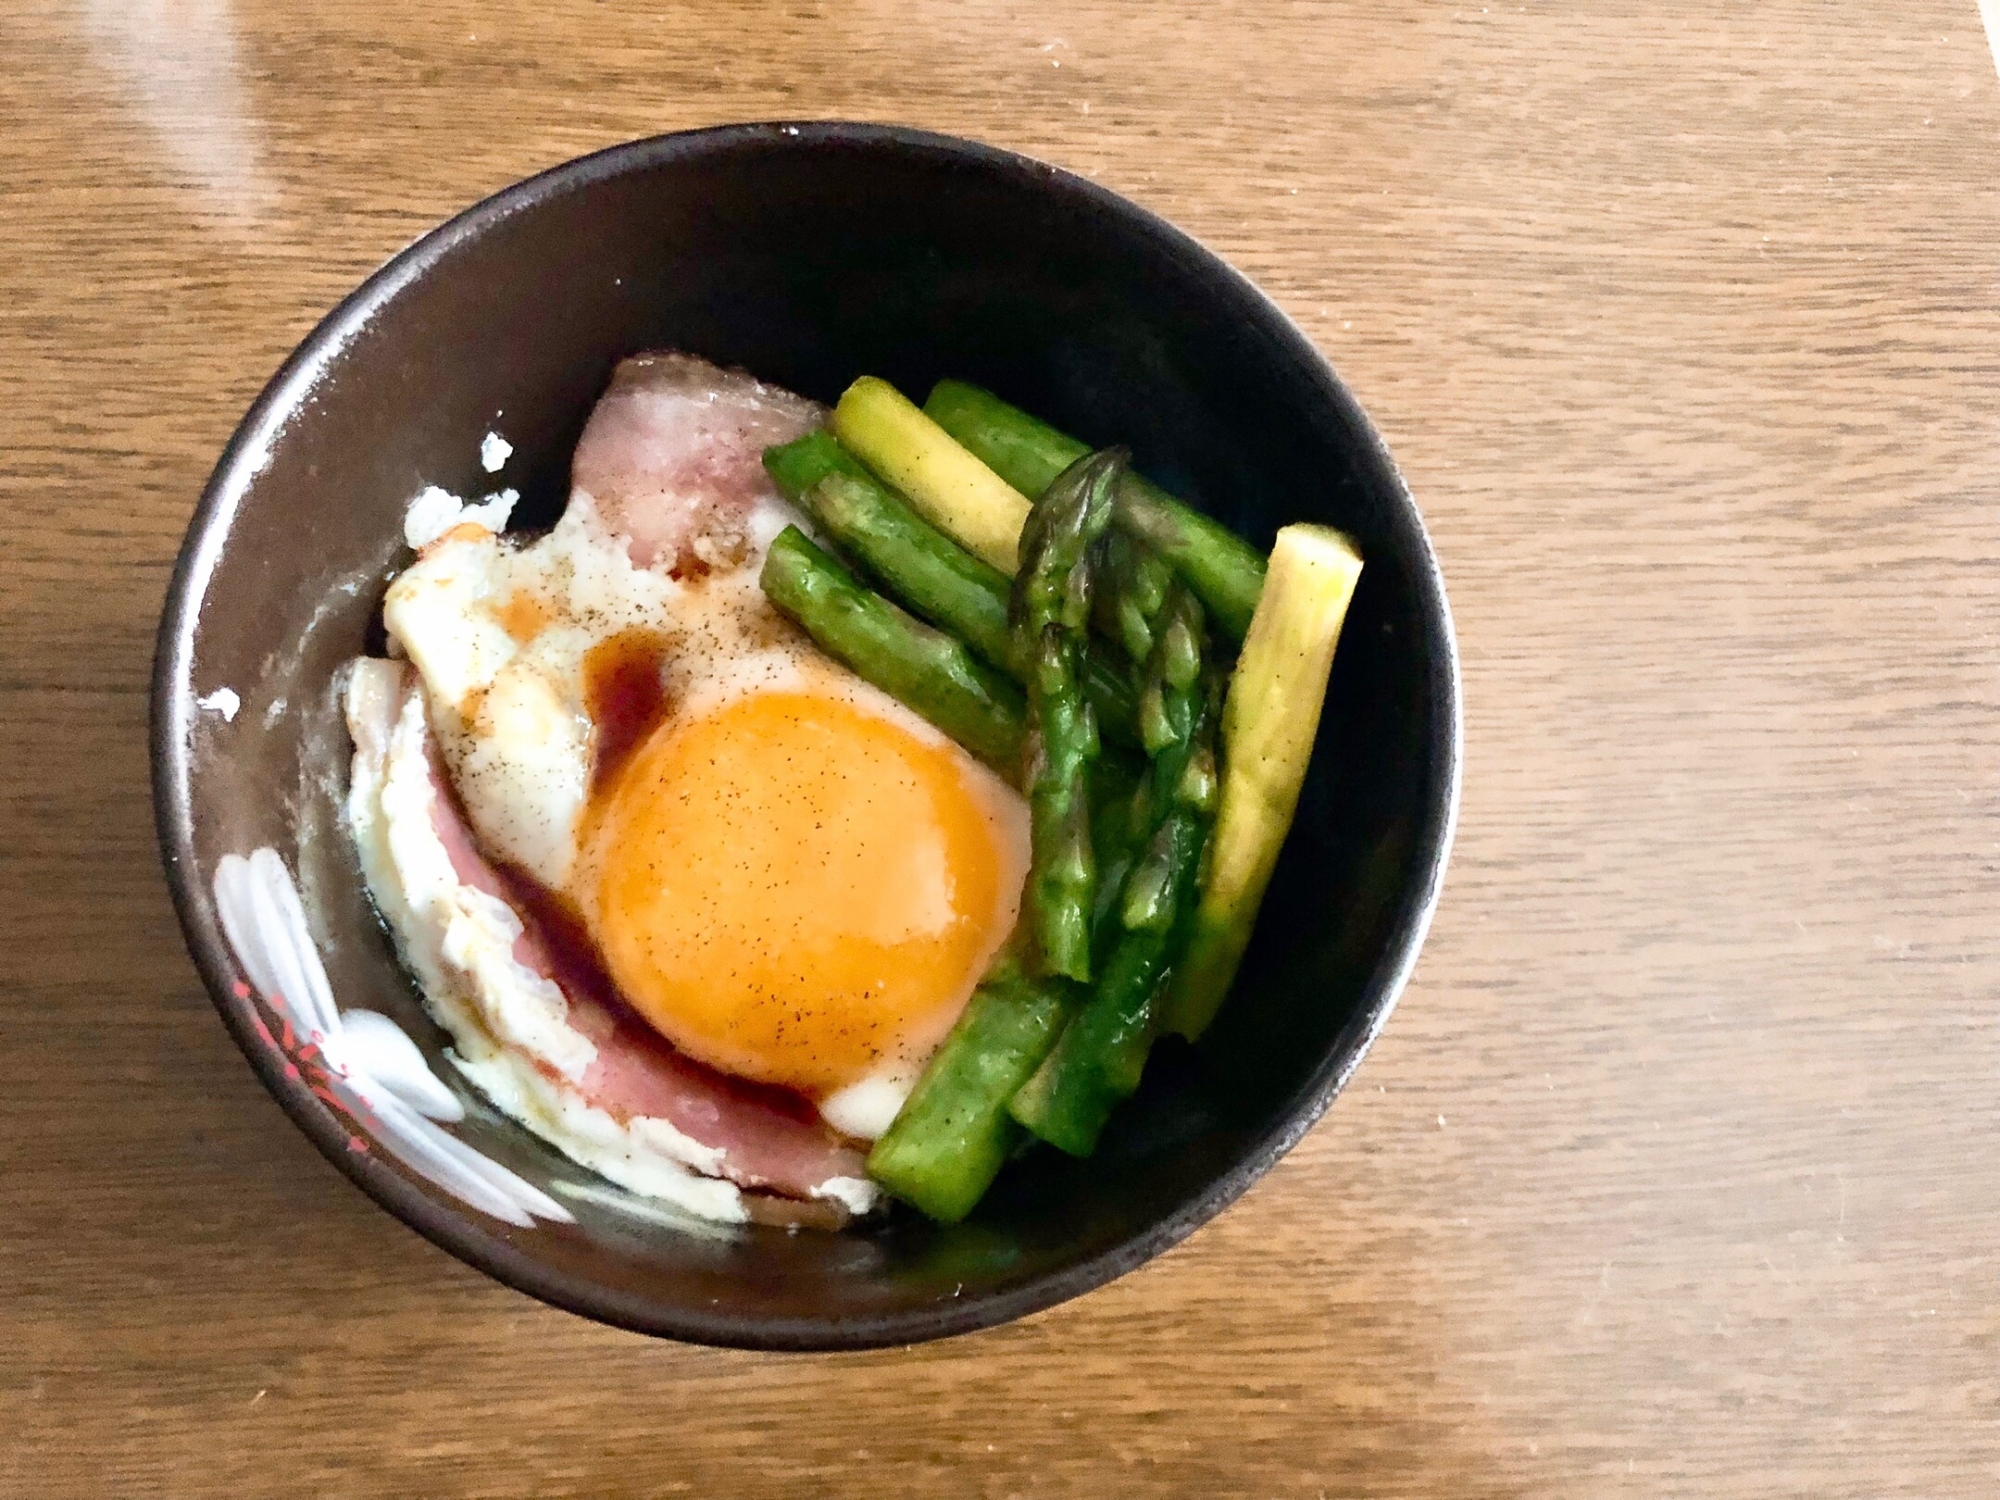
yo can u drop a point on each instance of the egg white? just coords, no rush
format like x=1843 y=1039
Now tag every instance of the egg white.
x=511 y=720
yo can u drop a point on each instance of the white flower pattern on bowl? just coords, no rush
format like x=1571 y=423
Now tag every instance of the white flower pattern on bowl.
x=359 y=1062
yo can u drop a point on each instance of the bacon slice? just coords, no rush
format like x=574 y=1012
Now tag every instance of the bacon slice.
x=673 y=456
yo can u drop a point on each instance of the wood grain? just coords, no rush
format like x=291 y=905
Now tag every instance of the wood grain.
x=1678 y=1170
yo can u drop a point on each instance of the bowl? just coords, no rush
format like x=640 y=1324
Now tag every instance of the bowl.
x=808 y=254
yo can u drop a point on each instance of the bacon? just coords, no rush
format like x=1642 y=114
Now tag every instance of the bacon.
x=766 y=1141
x=673 y=457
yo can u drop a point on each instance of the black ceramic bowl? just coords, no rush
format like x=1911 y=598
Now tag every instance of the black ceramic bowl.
x=808 y=254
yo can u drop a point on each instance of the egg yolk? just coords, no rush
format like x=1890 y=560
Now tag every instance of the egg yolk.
x=795 y=890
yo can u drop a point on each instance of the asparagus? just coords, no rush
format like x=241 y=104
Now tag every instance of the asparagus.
x=1049 y=611
x=1101 y=1054
x=924 y=569
x=1053 y=587
x=953 y=1134
x=1027 y=453
x=1062 y=876
x=1113 y=698
x=939 y=581
x=1115 y=842
x=927 y=572
x=930 y=671
x=797 y=466
x=881 y=427
x=1268 y=725
x=1132 y=588
x=1171 y=707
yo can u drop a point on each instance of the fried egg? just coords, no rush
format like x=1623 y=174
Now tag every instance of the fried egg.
x=790 y=876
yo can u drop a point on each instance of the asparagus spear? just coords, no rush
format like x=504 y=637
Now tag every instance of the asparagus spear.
x=1027 y=453
x=882 y=428
x=1268 y=726
x=1116 y=842
x=1132 y=587
x=1049 y=611
x=1111 y=693
x=1171 y=701
x=1062 y=876
x=953 y=1134
x=1101 y=1054
x=797 y=466
x=930 y=671
x=938 y=580
x=926 y=571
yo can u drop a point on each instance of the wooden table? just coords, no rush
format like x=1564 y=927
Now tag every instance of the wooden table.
x=1678 y=1169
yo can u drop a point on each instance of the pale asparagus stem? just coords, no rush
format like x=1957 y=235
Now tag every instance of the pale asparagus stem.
x=954 y=490
x=1268 y=725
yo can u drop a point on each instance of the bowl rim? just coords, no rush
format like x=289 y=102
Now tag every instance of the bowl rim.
x=459 y=1231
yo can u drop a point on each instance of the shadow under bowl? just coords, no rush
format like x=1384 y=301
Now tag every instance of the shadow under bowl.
x=810 y=254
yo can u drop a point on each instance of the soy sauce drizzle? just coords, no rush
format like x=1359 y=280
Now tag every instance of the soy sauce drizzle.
x=624 y=695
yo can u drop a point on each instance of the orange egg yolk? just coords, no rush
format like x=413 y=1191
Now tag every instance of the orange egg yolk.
x=795 y=890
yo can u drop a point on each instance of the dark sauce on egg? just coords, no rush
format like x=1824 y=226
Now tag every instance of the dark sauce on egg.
x=625 y=696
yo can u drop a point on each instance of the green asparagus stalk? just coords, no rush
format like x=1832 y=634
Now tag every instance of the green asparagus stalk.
x=1101 y=1056
x=882 y=428
x=1026 y=453
x=797 y=466
x=1116 y=843
x=1098 y=1061
x=930 y=671
x=939 y=581
x=1050 y=611
x=1268 y=725
x=1111 y=693
x=1053 y=587
x=1062 y=876
x=1171 y=702
x=1132 y=587
x=927 y=572
x=954 y=1134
